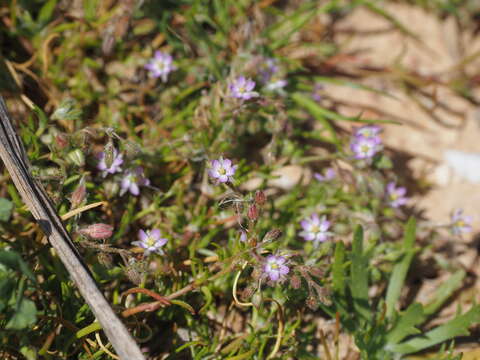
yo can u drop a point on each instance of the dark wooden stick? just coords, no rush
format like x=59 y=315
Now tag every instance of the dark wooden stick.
x=14 y=156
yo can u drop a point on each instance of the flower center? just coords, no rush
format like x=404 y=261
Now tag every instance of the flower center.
x=460 y=223
x=315 y=229
x=160 y=65
x=365 y=148
x=150 y=241
x=222 y=171
x=274 y=266
x=394 y=196
x=242 y=89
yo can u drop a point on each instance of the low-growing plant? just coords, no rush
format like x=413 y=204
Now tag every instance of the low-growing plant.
x=224 y=205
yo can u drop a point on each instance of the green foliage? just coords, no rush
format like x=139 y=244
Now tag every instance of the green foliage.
x=6 y=207
x=80 y=71
x=18 y=312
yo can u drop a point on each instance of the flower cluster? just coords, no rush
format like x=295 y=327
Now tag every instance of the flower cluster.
x=270 y=75
x=132 y=178
x=366 y=142
x=268 y=68
x=161 y=65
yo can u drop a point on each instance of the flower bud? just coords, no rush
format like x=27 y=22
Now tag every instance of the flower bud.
x=243 y=236
x=316 y=271
x=109 y=153
x=61 y=140
x=295 y=281
x=260 y=198
x=78 y=194
x=133 y=275
x=272 y=235
x=76 y=157
x=105 y=259
x=252 y=212
x=97 y=231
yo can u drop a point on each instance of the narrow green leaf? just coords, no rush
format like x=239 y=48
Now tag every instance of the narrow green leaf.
x=400 y=269
x=184 y=305
x=90 y=9
x=351 y=84
x=317 y=110
x=359 y=275
x=338 y=269
x=456 y=327
x=444 y=291
x=245 y=355
x=234 y=345
x=208 y=299
x=95 y=326
x=318 y=113
x=405 y=326
x=393 y=20
x=46 y=11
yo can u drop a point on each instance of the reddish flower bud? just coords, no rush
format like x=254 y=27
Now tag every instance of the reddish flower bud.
x=78 y=195
x=252 y=212
x=61 y=140
x=295 y=281
x=97 y=231
x=260 y=198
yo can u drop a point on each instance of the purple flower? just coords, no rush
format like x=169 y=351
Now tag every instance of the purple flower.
x=243 y=236
x=396 y=195
x=160 y=65
x=275 y=268
x=114 y=167
x=132 y=181
x=222 y=170
x=329 y=175
x=461 y=224
x=315 y=228
x=242 y=88
x=365 y=147
x=151 y=241
x=268 y=68
x=368 y=131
